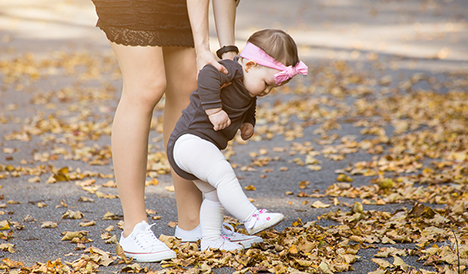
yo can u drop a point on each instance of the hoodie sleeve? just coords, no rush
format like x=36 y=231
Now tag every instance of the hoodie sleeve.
x=250 y=116
x=210 y=81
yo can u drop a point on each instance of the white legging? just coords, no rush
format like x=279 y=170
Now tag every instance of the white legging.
x=218 y=182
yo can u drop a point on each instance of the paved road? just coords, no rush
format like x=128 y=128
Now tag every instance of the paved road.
x=57 y=67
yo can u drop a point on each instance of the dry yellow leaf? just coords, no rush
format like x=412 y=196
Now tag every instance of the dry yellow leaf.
x=4 y=225
x=89 y=223
x=35 y=179
x=382 y=263
x=319 y=204
x=70 y=214
x=344 y=178
x=7 y=247
x=303 y=184
x=250 y=187
x=48 y=224
x=170 y=188
x=314 y=167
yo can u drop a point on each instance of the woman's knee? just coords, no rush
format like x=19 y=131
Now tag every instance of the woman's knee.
x=143 y=93
x=143 y=73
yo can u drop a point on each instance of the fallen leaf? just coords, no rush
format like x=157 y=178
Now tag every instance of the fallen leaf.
x=250 y=188
x=121 y=254
x=4 y=225
x=89 y=223
x=7 y=247
x=319 y=204
x=344 y=178
x=48 y=224
x=70 y=214
x=382 y=263
x=303 y=184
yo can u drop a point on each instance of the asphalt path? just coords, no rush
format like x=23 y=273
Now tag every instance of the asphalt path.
x=375 y=38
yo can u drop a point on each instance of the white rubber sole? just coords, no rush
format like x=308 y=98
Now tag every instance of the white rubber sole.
x=152 y=257
x=232 y=247
x=247 y=243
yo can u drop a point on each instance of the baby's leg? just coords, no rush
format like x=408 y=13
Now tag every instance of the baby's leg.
x=204 y=160
x=211 y=212
x=211 y=220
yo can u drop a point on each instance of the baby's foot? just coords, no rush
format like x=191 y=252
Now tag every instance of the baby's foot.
x=262 y=220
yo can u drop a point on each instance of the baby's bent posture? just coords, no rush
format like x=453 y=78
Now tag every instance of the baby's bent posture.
x=215 y=113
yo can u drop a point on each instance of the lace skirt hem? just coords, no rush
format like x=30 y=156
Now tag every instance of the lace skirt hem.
x=153 y=38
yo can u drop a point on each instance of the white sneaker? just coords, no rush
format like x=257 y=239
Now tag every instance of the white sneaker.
x=143 y=246
x=262 y=220
x=222 y=243
x=245 y=240
x=195 y=235
x=188 y=235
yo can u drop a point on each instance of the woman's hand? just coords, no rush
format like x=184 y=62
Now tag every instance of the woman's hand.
x=198 y=14
x=247 y=131
x=205 y=57
x=219 y=118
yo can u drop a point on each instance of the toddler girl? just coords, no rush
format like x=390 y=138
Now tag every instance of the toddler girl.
x=221 y=105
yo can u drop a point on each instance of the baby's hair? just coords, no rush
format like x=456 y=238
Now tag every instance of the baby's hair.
x=278 y=44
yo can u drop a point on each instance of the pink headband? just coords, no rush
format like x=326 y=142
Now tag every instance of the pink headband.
x=252 y=52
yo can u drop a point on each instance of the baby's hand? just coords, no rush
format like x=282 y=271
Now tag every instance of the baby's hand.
x=247 y=130
x=219 y=119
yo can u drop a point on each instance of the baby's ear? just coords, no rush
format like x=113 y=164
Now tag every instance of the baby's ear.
x=250 y=64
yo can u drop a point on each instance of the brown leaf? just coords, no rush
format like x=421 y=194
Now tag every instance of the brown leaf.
x=250 y=188
x=4 y=225
x=90 y=223
x=121 y=254
x=111 y=216
x=12 y=264
x=303 y=184
x=319 y=204
x=7 y=247
x=70 y=214
x=382 y=263
x=344 y=178
x=69 y=236
x=48 y=224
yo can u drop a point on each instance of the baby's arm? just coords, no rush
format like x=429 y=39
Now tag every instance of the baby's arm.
x=219 y=118
x=247 y=131
x=247 y=128
x=210 y=83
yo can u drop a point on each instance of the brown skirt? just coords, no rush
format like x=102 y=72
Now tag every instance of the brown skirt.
x=145 y=22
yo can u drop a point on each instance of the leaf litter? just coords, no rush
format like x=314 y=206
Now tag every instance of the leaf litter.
x=417 y=140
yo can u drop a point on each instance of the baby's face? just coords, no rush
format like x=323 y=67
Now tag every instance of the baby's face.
x=259 y=80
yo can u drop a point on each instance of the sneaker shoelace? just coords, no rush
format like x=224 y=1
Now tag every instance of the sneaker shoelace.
x=147 y=240
x=227 y=230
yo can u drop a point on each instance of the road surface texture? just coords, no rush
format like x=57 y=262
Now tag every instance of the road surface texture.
x=378 y=71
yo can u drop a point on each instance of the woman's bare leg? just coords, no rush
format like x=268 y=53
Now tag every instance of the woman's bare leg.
x=144 y=82
x=181 y=72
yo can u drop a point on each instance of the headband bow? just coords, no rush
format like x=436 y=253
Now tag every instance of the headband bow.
x=252 y=52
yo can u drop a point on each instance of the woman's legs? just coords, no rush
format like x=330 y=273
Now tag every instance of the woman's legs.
x=181 y=72
x=144 y=82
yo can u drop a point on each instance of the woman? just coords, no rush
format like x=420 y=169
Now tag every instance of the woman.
x=153 y=43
